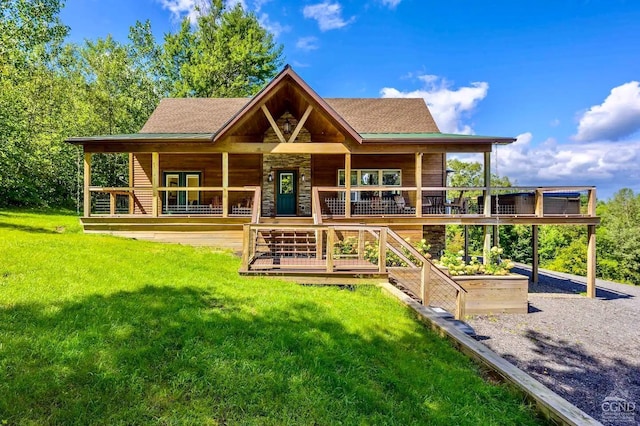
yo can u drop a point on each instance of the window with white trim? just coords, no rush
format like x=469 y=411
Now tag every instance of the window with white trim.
x=361 y=178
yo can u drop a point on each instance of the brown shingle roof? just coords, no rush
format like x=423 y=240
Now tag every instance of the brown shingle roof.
x=385 y=115
x=365 y=115
x=192 y=115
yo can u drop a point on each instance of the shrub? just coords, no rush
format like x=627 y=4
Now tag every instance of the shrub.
x=457 y=266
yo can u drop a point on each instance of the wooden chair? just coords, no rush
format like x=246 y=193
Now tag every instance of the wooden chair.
x=458 y=205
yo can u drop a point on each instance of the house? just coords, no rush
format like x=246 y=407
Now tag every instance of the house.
x=288 y=157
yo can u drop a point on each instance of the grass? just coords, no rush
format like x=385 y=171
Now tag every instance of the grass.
x=102 y=330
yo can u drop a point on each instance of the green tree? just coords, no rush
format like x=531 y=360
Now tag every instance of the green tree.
x=469 y=174
x=31 y=95
x=226 y=54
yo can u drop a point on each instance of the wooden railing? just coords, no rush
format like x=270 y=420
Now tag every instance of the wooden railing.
x=358 y=249
x=221 y=208
x=402 y=201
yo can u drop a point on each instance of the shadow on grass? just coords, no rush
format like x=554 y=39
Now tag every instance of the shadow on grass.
x=26 y=228
x=578 y=376
x=187 y=355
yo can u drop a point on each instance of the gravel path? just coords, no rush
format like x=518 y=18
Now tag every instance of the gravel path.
x=584 y=349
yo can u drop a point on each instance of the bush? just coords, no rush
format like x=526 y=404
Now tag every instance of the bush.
x=349 y=246
x=457 y=266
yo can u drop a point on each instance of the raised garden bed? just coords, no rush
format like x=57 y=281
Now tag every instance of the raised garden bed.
x=495 y=294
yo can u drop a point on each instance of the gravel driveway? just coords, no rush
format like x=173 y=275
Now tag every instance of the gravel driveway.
x=584 y=349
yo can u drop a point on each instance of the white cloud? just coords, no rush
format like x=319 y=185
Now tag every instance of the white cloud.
x=274 y=27
x=391 y=4
x=609 y=165
x=328 y=15
x=617 y=117
x=554 y=123
x=257 y=4
x=181 y=8
x=230 y=4
x=448 y=106
x=307 y=43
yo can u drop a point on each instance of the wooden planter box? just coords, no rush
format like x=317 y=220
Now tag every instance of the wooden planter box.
x=489 y=294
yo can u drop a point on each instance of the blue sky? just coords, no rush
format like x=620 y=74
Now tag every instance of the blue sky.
x=561 y=75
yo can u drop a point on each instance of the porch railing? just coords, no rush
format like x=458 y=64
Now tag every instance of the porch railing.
x=209 y=201
x=322 y=249
x=333 y=202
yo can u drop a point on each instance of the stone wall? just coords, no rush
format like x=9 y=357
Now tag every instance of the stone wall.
x=274 y=162
x=435 y=236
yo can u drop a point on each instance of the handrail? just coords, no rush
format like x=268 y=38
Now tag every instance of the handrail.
x=316 y=208
x=423 y=259
x=257 y=201
x=458 y=188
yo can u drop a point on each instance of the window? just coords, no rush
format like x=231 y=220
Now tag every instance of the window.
x=180 y=200
x=371 y=177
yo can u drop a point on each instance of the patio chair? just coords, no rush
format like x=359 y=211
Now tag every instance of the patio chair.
x=458 y=205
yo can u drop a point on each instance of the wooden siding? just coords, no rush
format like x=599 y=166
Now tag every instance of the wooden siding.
x=244 y=170
x=325 y=168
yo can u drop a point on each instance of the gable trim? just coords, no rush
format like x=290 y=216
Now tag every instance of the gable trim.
x=263 y=95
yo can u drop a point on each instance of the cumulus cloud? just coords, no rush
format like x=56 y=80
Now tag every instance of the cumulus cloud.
x=391 y=4
x=274 y=27
x=617 y=117
x=605 y=164
x=449 y=106
x=327 y=14
x=181 y=8
x=307 y=43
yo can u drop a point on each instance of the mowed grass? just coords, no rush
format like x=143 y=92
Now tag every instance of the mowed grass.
x=102 y=330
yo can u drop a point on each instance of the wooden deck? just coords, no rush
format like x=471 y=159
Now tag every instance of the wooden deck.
x=312 y=264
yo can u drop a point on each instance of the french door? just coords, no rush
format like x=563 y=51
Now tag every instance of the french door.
x=180 y=200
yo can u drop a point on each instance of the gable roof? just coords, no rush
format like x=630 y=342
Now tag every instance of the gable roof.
x=192 y=115
x=287 y=81
x=364 y=120
x=385 y=115
x=364 y=115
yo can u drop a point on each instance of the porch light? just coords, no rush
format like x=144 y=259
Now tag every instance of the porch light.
x=270 y=176
x=302 y=178
x=286 y=127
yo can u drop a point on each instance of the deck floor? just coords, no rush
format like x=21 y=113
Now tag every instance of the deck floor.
x=304 y=263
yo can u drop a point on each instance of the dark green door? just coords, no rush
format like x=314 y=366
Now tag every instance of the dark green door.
x=286 y=193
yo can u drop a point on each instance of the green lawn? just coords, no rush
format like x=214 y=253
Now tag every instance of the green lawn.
x=98 y=329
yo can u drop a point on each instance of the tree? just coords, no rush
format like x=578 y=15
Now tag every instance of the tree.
x=465 y=174
x=31 y=92
x=226 y=54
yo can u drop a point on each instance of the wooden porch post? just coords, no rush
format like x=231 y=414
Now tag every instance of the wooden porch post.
x=486 y=249
x=591 y=261
x=591 y=204
x=225 y=184
x=331 y=234
x=539 y=202
x=466 y=243
x=418 y=184
x=425 y=283
x=487 y=184
x=347 y=185
x=87 y=184
x=496 y=236
x=534 y=258
x=155 y=183
x=382 y=256
x=131 y=185
x=487 y=207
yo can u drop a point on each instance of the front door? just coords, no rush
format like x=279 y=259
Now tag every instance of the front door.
x=286 y=192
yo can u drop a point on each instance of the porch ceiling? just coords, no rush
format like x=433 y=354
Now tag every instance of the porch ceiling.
x=288 y=98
